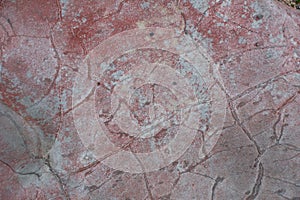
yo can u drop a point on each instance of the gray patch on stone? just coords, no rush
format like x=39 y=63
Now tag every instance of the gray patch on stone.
x=226 y=3
x=242 y=40
x=259 y=9
x=64 y=4
x=145 y=5
x=201 y=5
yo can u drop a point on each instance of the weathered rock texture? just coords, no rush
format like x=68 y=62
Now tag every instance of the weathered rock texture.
x=167 y=99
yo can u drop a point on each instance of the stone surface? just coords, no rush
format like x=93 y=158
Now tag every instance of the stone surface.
x=118 y=99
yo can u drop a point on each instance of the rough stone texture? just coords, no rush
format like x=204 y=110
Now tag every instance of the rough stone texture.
x=221 y=78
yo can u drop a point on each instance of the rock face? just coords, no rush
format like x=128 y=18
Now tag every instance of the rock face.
x=181 y=99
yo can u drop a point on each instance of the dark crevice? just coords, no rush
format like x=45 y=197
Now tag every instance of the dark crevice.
x=258 y=182
x=217 y=181
x=59 y=179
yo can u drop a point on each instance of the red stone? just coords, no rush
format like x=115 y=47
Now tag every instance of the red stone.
x=185 y=99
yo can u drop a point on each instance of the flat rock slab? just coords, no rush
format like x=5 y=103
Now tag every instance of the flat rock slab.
x=123 y=100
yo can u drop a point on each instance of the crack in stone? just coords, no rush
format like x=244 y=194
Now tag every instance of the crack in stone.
x=30 y=36
x=240 y=53
x=89 y=166
x=204 y=175
x=118 y=10
x=59 y=9
x=241 y=125
x=243 y=27
x=290 y=158
x=92 y=188
x=59 y=179
x=288 y=101
x=20 y=173
x=207 y=10
x=184 y=23
x=258 y=182
x=58 y=69
x=284 y=181
x=59 y=64
x=217 y=181
x=261 y=85
x=145 y=176
x=257 y=113
x=275 y=124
